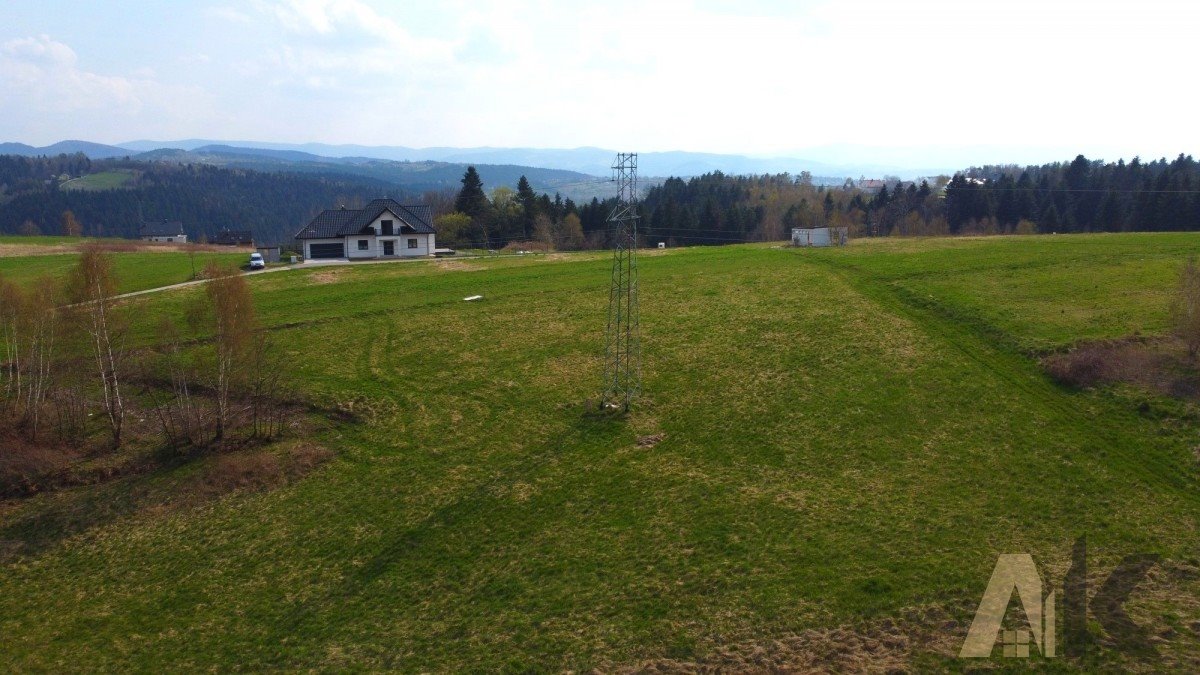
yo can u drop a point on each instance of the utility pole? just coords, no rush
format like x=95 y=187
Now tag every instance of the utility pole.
x=623 y=344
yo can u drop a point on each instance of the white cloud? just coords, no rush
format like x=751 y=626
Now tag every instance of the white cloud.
x=229 y=14
x=45 y=87
x=750 y=76
x=39 y=50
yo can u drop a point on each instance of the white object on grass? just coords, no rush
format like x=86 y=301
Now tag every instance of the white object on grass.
x=469 y=298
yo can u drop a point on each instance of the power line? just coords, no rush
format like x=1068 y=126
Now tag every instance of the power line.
x=623 y=347
x=1044 y=191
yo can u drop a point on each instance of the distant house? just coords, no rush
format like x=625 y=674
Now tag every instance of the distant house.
x=870 y=185
x=233 y=238
x=385 y=228
x=169 y=231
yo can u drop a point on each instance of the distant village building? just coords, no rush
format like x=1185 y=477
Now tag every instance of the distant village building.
x=269 y=253
x=384 y=228
x=233 y=238
x=870 y=185
x=820 y=236
x=167 y=231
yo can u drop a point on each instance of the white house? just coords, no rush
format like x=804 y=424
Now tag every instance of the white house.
x=819 y=236
x=170 y=232
x=383 y=229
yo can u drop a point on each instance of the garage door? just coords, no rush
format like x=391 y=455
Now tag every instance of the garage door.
x=326 y=250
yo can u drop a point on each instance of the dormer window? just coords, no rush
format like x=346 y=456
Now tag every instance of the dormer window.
x=387 y=226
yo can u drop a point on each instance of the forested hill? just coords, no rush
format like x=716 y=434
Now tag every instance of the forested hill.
x=1078 y=196
x=112 y=197
x=1081 y=196
x=405 y=175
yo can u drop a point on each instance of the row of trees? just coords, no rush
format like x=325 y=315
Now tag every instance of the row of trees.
x=518 y=218
x=709 y=209
x=68 y=360
x=1081 y=196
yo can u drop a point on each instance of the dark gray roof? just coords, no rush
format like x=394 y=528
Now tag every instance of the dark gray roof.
x=233 y=237
x=166 y=228
x=344 y=222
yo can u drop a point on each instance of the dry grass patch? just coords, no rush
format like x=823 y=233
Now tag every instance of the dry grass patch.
x=26 y=467
x=881 y=646
x=455 y=265
x=650 y=441
x=21 y=250
x=257 y=470
x=1159 y=365
x=329 y=276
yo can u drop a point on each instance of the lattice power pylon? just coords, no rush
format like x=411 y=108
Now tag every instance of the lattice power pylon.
x=623 y=343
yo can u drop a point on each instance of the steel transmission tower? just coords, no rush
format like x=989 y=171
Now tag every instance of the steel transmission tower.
x=623 y=344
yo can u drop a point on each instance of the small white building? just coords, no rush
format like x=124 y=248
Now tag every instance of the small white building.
x=168 y=231
x=383 y=229
x=819 y=236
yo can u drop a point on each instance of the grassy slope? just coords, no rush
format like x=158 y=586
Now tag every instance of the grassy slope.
x=136 y=271
x=836 y=446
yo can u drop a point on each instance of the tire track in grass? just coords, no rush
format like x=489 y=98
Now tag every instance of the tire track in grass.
x=1004 y=361
x=585 y=435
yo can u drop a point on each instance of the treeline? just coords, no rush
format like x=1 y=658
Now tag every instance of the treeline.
x=519 y=219
x=716 y=209
x=1081 y=196
x=709 y=209
x=205 y=199
x=69 y=373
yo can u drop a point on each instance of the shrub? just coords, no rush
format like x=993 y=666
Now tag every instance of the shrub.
x=1185 y=307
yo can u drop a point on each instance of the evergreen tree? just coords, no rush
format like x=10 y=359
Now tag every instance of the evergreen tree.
x=1050 y=219
x=471 y=199
x=529 y=205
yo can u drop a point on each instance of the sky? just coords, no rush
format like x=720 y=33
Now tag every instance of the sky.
x=905 y=82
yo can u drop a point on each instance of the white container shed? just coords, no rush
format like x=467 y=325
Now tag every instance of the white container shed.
x=819 y=236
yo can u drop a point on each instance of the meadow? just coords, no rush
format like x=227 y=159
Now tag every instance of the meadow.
x=101 y=180
x=26 y=260
x=832 y=448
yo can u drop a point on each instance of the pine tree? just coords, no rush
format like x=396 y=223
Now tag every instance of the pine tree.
x=1050 y=219
x=471 y=200
x=529 y=205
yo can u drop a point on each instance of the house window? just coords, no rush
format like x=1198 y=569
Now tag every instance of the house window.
x=362 y=244
x=412 y=243
x=386 y=225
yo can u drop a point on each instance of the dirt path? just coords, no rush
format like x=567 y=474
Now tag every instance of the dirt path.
x=311 y=264
x=197 y=282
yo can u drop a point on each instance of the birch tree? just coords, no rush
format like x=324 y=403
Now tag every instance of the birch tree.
x=92 y=288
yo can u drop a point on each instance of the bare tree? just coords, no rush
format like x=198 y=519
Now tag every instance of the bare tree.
x=182 y=419
x=229 y=307
x=71 y=227
x=265 y=374
x=29 y=328
x=92 y=288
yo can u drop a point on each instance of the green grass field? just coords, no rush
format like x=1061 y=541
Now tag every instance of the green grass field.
x=136 y=271
x=848 y=437
x=103 y=180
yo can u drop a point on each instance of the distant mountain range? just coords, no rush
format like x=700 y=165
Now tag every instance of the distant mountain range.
x=92 y=150
x=412 y=175
x=587 y=160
